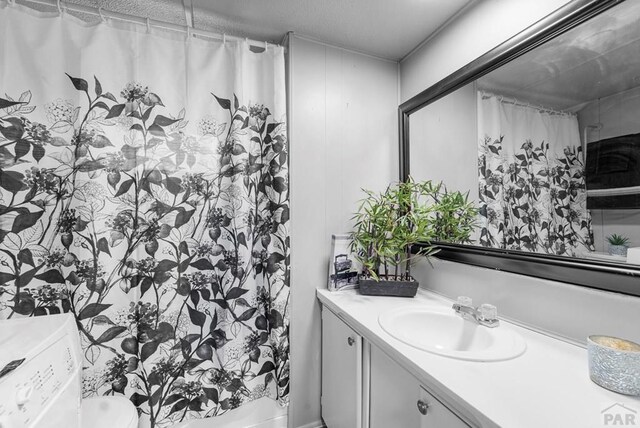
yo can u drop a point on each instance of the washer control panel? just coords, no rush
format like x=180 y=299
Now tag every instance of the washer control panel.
x=32 y=387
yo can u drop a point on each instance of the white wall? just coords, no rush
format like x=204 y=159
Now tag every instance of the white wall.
x=562 y=309
x=478 y=30
x=343 y=137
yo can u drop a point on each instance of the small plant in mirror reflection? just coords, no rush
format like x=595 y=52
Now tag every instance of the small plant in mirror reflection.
x=388 y=224
x=616 y=239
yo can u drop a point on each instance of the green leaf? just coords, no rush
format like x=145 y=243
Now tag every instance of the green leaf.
x=165 y=265
x=6 y=103
x=109 y=96
x=224 y=103
x=25 y=221
x=164 y=121
x=26 y=257
x=202 y=264
x=235 y=292
x=52 y=276
x=100 y=141
x=138 y=399
x=241 y=239
x=6 y=278
x=279 y=184
x=179 y=406
x=91 y=165
x=157 y=131
x=183 y=217
x=79 y=84
x=246 y=315
x=115 y=111
x=173 y=185
x=98 y=87
x=91 y=310
x=111 y=334
x=211 y=394
x=38 y=152
x=22 y=148
x=12 y=181
x=148 y=349
x=197 y=318
x=103 y=245
x=266 y=368
x=124 y=187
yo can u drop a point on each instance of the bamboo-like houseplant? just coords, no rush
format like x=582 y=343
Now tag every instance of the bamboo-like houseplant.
x=389 y=224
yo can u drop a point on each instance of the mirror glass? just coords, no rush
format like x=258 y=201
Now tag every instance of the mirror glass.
x=548 y=145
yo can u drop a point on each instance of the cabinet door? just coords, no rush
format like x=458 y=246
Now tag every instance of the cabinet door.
x=398 y=400
x=341 y=373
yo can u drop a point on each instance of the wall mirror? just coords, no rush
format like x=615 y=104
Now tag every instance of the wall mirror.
x=544 y=133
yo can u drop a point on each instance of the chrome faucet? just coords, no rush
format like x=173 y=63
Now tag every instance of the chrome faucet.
x=485 y=314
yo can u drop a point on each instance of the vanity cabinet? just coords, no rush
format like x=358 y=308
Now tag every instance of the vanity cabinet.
x=397 y=399
x=362 y=387
x=341 y=373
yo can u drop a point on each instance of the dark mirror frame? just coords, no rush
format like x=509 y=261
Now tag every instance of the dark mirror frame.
x=588 y=273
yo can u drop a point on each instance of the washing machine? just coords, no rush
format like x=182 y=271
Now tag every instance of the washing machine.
x=40 y=379
x=40 y=369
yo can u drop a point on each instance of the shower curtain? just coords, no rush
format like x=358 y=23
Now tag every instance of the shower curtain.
x=144 y=189
x=531 y=175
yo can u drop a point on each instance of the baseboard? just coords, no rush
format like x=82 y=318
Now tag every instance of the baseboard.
x=315 y=424
x=277 y=422
x=261 y=413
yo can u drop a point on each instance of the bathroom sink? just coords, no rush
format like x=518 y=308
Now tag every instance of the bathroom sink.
x=442 y=332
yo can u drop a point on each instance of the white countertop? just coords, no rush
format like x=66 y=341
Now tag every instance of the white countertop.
x=546 y=387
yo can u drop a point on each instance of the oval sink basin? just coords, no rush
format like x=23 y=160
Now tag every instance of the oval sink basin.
x=443 y=332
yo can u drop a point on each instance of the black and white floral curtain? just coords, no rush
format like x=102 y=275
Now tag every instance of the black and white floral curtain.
x=531 y=176
x=144 y=188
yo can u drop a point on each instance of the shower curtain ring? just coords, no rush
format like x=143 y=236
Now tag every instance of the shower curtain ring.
x=148 y=25
x=224 y=39
x=102 y=18
x=59 y=7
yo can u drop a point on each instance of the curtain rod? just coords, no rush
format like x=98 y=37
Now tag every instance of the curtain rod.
x=515 y=102
x=62 y=6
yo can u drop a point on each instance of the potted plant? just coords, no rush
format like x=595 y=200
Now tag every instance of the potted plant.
x=388 y=224
x=618 y=245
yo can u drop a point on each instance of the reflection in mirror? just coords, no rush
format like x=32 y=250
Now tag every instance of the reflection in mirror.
x=548 y=145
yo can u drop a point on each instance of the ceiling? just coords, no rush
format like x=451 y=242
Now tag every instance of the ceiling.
x=384 y=28
x=596 y=59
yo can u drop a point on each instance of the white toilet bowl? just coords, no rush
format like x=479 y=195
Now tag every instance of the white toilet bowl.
x=108 y=412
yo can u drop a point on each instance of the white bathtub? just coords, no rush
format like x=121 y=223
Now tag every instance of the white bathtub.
x=262 y=413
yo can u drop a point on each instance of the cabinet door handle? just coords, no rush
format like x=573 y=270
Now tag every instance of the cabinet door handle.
x=423 y=406
x=351 y=341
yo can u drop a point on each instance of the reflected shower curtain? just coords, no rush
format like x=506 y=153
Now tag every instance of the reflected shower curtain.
x=144 y=188
x=533 y=194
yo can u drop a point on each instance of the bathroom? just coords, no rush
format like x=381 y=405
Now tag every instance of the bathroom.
x=326 y=80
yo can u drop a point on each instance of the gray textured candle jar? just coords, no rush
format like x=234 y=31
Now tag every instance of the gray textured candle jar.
x=614 y=364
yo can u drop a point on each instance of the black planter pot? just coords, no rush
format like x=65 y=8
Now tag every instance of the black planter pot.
x=388 y=287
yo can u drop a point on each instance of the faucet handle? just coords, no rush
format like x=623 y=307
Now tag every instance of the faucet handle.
x=488 y=312
x=465 y=301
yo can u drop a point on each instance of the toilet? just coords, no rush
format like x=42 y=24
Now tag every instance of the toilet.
x=108 y=412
